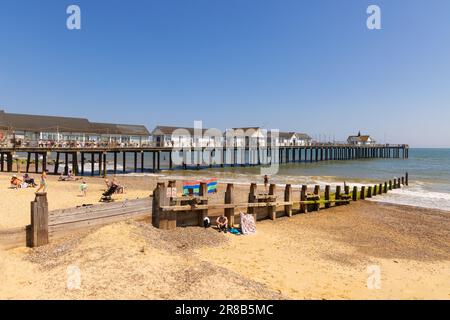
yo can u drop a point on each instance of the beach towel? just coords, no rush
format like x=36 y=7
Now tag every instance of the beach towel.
x=248 y=225
x=235 y=231
x=194 y=186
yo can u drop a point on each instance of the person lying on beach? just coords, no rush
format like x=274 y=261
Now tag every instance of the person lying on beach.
x=16 y=183
x=222 y=223
x=70 y=177
x=29 y=180
x=83 y=188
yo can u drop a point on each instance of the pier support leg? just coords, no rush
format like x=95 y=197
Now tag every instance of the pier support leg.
x=92 y=164
x=36 y=162
x=56 y=168
x=82 y=163
x=66 y=163
x=28 y=162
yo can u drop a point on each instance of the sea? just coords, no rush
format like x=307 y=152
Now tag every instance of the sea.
x=428 y=169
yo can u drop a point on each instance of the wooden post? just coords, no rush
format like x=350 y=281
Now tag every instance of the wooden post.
x=135 y=161
x=82 y=163
x=385 y=187
x=115 y=163
x=142 y=161
x=355 y=193
x=36 y=162
x=124 y=161
x=406 y=179
x=272 y=210
x=104 y=165
x=288 y=198
x=229 y=199
x=399 y=183
x=362 y=194
x=317 y=193
x=252 y=199
x=303 y=198
x=347 y=189
x=28 y=162
x=337 y=195
x=395 y=184
x=162 y=219
x=390 y=184
x=403 y=180
x=92 y=163
x=2 y=162
x=375 y=190
x=203 y=192
x=380 y=189
x=39 y=220
x=9 y=162
x=66 y=163
x=327 y=196
x=369 y=192
x=75 y=163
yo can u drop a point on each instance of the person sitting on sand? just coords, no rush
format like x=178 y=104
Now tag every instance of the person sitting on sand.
x=43 y=183
x=16 y=183
x=29 y=180
x=222 y=223
x=83 y=188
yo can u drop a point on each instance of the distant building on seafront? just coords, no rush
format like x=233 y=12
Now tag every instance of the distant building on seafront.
x=25 y=130
x=361 y=140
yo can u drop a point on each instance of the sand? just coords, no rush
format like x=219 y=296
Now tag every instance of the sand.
x=323 y=255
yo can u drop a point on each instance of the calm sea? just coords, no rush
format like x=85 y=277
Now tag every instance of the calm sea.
x=429 y=172
x=429 y=175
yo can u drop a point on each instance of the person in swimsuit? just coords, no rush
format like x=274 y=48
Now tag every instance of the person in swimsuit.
x=43 y=183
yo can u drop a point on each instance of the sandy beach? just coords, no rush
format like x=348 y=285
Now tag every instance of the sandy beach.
x=322 y=255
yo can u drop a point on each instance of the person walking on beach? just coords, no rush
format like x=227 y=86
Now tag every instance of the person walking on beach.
x=266 y=181
x=83 y=188
x=43 y=183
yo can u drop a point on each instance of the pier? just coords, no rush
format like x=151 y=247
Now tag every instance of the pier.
x=193 y=157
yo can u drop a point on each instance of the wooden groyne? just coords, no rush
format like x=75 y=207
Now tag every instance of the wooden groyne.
x=193 y=157
x=167 y=211
x=170 y=212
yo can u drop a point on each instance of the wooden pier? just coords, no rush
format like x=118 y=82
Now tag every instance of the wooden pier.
x=78 y=157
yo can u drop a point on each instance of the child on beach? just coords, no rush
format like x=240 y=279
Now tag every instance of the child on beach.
x=83 y=188
x=266 y=181
x=43 y=183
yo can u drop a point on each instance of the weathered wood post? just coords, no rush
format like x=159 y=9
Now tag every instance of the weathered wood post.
x=303 y=198
x=385 y=187
x=347 y=189
x=375 y=190
x=380 y=189
x=362 y=194
x=394 y=186
x=337 y=195
x=317 y=193
x=406 y=179
x=369 y=192
x=203 y=192
x=288 y=198
x=252 y=199
x=403 y=181
x=355 y=193
x=327 y=197
x=162 y=219
x=229 y=199
x=39 y=220
x=272 y=210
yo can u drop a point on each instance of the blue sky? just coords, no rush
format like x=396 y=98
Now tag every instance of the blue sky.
x=309 y=66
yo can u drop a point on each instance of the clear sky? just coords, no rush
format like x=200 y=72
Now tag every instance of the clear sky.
x=309 y=66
